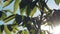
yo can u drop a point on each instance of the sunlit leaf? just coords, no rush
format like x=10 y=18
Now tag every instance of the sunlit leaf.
x=26 y=32
x=43 y=32
x=48 y=32
x=1 y=32
x=17 y=28
x=6 y=3
x=57 y=2
x=45 y=10
x=16 y=5
x=19 y=32
x=22 y=6
x=6 y=30
x=22 y=32
x=14 y=30
x=28 y=11
x=33 y=11
x=0 y=2
x=23 y=10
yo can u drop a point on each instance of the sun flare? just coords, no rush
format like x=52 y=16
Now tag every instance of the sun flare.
x=56 y=30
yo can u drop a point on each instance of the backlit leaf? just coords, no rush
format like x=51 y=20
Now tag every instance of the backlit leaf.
x=57 y=2
x=14 y=30
x=23 y=10
x=43 y=32
x=33 y=11
x=22 y=32
x=26 y=32
x=16 y=5
x=6 y=30
x=6 y=3
x=19 y=32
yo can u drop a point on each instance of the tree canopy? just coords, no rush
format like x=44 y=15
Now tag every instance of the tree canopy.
x=29 y=7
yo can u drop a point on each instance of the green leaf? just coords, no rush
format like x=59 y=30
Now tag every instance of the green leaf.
x=26 y=32
x=24 y=3
x=19 y=32
x=23 y=10
x=3 y=16
x=32 y=31
x=43 y=32
x=1 y=32
x=22 y=32
x=18 y=19
x=28 y=11
x=6 y=3
x=30 y=7
x=9 y=18
x=0 y=2
x=6 y=29
x=14 y=22
x=33 y=11
x=16 y=5
x=57 y=2
x=1 y=28
x=45 y=10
